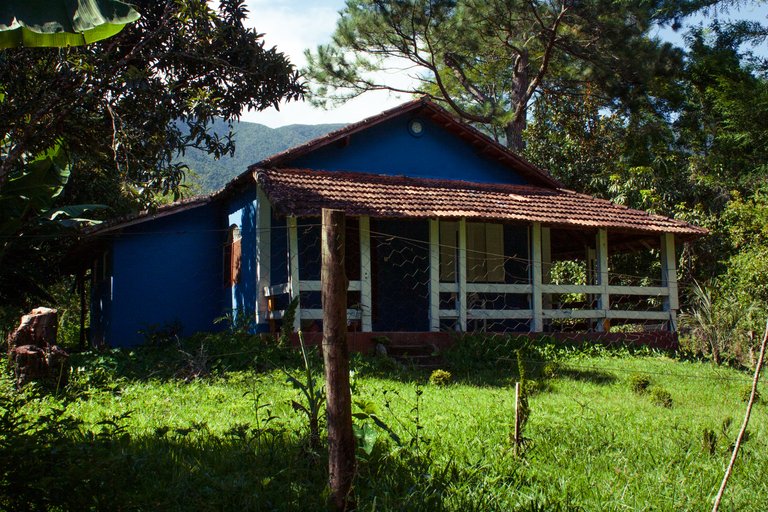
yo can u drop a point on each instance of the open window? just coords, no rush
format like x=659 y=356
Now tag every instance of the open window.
x=232 y=255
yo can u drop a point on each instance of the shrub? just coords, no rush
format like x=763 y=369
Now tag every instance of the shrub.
x=639 y=383
x=550 y=370
x=440 y=378
x=661 y=397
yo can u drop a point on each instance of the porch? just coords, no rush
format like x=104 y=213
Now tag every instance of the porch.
x=455 y=275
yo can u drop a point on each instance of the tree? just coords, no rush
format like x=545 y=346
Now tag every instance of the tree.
x=120 y=104
x=487 y=60
x=119 y=111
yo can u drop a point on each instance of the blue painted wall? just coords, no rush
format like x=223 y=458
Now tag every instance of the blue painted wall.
x=390 y=148
x=242 y=211
x=164 y=271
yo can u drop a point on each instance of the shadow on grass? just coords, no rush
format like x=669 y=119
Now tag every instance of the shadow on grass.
x=587 y=375
x=193 y=469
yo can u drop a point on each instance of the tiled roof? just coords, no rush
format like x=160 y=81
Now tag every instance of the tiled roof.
x=306 y=192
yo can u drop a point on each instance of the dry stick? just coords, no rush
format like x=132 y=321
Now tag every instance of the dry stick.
x=517 y=417
x=746 y=421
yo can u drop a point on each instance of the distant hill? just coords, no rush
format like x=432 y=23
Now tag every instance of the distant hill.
x=254 y=142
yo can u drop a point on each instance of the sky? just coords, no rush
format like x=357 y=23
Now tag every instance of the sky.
x=294 y=25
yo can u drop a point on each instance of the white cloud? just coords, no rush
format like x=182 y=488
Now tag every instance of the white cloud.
x=293 y=26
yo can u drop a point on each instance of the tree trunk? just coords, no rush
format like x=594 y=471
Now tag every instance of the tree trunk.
x=519 y=103
x=341 y=440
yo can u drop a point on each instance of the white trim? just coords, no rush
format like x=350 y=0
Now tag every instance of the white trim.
x=294 y=284
x=498 y=288
x=317 y=286
x=537 y=321
x=499 y=314
x=263 y=254
x=434 y=275
x=669 y=278
x=366 y=297
x=603 y=301
x=462 y=294
x=317 y=314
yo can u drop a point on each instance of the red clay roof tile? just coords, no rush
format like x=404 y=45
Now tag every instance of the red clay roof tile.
x=306 y=192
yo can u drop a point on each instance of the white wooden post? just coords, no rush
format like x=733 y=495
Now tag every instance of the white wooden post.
x=462 y=296
x=537 y=320
x=546 y=263
x=434 y=275
x=603 y=301
x=263 y=255
x=669 y=277
x=293 y=259
x=366 y=299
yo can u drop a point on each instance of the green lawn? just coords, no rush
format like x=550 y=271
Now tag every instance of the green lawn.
x=231 y=440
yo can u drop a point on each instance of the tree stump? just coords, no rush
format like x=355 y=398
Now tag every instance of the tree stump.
x=33 y=353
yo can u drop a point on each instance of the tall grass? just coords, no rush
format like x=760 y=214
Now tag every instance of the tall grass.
x=139 y=438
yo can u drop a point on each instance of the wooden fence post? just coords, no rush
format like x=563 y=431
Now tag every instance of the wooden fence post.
x=341 y=440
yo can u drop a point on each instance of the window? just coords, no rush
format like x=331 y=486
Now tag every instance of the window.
x=232 y=256
x=485 y=252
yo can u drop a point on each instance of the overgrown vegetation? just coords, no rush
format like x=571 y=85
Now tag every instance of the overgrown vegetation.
x=132 y=433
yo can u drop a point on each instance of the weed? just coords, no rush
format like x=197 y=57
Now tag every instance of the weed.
x=440 y=378
x=746 y=393
x=314 y=397
x=639 y=383
x=661 y=397
x=709 y=441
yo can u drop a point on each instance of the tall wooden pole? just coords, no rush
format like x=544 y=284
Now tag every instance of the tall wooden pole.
x=341 y=440
x=740 y=437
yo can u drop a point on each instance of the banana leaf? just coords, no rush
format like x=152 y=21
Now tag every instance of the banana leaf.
x=61 y=23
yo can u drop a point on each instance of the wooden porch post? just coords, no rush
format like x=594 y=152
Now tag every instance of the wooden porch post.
x=293 y=266
x=537 y=320
x=366 y=299
x=263 y=255
x=669 y=277
x=462 y=295
x=546 y=264
x=341 y=440
x=434 y=275
x=603 y=301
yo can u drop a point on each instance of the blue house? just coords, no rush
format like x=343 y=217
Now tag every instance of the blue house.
x=446 y=231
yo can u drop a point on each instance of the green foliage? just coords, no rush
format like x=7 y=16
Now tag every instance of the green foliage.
x=639 y=383
x=190 y=61
x=313 y=395
x=30 y=222
x=486 y=60
x=661 y=397
x=746 y=394
x=147 y=440
x=440 y=378
x=714 y=323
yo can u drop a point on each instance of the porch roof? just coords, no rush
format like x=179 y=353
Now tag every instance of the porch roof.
x=304 y=192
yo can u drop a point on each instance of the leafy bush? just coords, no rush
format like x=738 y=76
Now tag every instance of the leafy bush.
x=440 y=378
x=639 y=383
x=661 y=397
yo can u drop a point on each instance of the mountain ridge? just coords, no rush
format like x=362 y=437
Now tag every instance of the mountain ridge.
x=253 y=143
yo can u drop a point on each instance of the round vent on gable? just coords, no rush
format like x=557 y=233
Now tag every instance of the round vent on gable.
x=416 y=127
